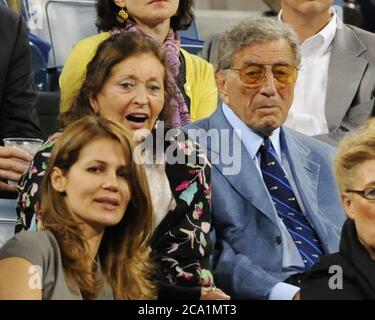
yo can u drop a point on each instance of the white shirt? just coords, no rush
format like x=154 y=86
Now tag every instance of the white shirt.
x=160 y=190
x=307 y=113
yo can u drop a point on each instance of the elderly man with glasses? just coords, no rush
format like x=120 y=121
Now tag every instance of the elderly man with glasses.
x=279 y=212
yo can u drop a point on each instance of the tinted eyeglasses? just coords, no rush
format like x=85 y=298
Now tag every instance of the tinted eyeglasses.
x=368 y=194
x=254 y=74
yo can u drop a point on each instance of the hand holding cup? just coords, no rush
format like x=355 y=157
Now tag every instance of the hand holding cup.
x=15 y=158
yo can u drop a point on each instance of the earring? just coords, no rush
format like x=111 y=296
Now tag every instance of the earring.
x=122 y=15
x=156 y=124
x=61 y=190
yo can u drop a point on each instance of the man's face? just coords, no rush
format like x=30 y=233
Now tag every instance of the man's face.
x=263 y=106
x=307 y=7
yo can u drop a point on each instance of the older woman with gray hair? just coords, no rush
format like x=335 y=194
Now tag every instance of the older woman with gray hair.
x=350 y=273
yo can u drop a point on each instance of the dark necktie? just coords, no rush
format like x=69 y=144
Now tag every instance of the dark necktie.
x=287 y=206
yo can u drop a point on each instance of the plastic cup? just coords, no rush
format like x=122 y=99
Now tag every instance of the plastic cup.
x=30 y=145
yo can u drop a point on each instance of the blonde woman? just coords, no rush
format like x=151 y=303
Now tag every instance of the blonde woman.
x=350 y=273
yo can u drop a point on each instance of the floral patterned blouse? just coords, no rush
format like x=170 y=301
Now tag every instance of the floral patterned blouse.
x=180 y=244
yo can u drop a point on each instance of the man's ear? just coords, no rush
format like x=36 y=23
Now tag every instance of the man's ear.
x=348 y=205
x=58 y=179
x=221 y=82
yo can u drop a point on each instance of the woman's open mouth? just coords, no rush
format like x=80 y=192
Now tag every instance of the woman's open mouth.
x=137 y=120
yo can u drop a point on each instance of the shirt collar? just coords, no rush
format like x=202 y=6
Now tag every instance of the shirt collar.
x=328 y=32
x=323 y=39
x=249 y=138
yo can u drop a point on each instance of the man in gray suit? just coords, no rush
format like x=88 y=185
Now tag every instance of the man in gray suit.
x=281 y=202
x=336 y=83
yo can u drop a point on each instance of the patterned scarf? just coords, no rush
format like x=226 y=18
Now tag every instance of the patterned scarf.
x=179 y=111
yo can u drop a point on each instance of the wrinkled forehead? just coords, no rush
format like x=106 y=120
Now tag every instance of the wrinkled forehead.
x=267 y=52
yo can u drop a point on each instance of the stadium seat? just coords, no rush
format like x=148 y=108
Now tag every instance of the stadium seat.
x=47 y=106
x=191 y=32
x=39 y=67
x=7 y=219
x=68 y=22
x=193 y=46
x=190 y=39
x=42 y=45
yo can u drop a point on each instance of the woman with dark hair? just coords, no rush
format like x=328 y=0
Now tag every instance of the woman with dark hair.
x=193 y=92
x=97 y=221
x=109 y=17
x=127 y=81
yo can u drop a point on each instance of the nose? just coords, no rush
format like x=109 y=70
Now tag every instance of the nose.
x=268 y=85
x=140 y=95
x=111 y=182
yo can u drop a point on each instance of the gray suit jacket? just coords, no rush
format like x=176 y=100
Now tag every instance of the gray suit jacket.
x=248 y=251
x=351 y=80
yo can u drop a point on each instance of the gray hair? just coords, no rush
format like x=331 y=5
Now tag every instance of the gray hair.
x=253 y=31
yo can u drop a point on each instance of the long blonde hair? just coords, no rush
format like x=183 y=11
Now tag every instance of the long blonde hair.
x=124 y=251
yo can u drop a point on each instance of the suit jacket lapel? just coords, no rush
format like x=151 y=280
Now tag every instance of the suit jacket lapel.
x=345 y=72
x=248 y=181
x=306 y=177
x=305 y=172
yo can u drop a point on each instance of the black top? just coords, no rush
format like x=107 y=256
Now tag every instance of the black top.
x=358 y=272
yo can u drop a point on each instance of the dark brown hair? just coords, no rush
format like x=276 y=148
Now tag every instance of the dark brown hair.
x=124 y=251
x=107 y=12
x=109 y=53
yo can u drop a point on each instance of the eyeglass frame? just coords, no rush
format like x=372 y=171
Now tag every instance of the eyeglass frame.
x=255 y=85
x=363 y=193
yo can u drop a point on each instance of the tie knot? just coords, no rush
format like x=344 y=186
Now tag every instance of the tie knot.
x=266 y=145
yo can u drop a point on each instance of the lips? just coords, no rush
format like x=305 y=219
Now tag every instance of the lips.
x=268 y=106
x=265 y=107
x=156 y=1
x=108 y=202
